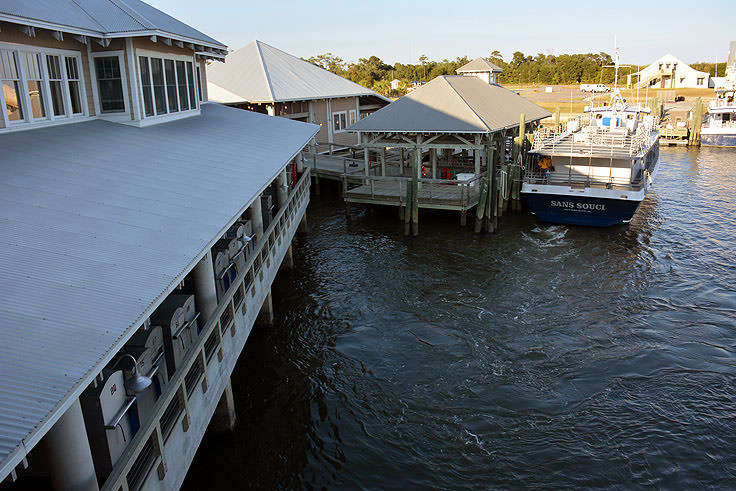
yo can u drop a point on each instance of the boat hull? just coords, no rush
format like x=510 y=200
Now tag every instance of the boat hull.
x=718 y=139
x=580 y=210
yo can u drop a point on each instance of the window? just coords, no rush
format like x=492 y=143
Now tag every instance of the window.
x=351 y=119
x=39 y=84
x=74 y=82
x=167 y=85
x=199 y=83
x=339 y=121
x=34 y=79
x=146 y=87
x=171 y=86
x=157 y=76
x=56 y=84
x=700 y=80
x=11 y=85
x=181 y=76
x=110 y=84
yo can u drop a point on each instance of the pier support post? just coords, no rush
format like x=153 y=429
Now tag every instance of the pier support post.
x=366 y=162
x=256 y=218
x=347 y=210
x=494 y=191
x=401 y=164
x=476 y=156
x=282 y=190
x=224 y=418
x=433 y=159
x=265 y=315
x=463 y=218
x=205 y=291
x=303 y=228
x=288 y=262
x=67 y=449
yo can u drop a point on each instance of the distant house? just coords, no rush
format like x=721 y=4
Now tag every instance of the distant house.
x=261 y=78
x=481 y=68
x=395 y=84
x=669 y=72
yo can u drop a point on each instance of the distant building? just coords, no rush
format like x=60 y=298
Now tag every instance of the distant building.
x=481 y=68
x=669 y=72
x=395 y=84
x=261 y=78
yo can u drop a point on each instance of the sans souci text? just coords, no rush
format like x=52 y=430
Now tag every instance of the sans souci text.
x=571 y=205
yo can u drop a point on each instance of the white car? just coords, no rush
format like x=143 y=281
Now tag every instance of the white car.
x=594 y=88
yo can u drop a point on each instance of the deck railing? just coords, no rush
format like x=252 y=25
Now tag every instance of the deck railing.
x=393 y=189
x=147 y=450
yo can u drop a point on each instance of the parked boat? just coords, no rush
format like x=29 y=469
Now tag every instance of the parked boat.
x=719 y=124
x=596 y=172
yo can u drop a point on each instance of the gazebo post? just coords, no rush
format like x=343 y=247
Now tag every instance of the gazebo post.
x=401 y=164
x=476 y=154
x=383 y=161
x=433 y=158
x=492 y=199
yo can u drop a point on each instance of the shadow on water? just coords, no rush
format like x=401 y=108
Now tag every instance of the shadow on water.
x=543 y=355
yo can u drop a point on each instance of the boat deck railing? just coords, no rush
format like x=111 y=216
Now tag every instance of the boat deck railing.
x=576 y=180
x=592 y=141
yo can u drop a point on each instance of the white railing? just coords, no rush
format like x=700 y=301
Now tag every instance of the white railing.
x=147 y=450
x=595 y=140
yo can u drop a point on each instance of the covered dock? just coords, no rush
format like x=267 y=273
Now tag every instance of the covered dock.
x=432 y=148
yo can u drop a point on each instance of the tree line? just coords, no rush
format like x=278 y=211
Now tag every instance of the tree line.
x=578 y=68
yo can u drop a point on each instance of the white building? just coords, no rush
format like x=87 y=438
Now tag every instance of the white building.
x=669 y=72
x=481 y=68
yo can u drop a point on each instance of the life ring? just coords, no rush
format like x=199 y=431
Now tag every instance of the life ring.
x=424 y=172
x=545 y=163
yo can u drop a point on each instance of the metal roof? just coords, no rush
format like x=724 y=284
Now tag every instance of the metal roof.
x=453 y=104
x=261 y=73
x=99 y=222
x=479 y=65
x=103 y=18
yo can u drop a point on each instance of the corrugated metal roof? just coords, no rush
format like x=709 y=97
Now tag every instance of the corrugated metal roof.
x=479 y=65
x=453 y=104
x=104 y=18
x=99 y=220
x=261 y=73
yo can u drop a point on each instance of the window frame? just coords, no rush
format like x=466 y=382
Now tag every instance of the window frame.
x=144 y=54
x=125 y=114
x=42 y=52
x=344 y=114
x=352 y=117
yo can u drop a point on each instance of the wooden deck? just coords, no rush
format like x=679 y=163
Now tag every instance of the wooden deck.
x=433 y=193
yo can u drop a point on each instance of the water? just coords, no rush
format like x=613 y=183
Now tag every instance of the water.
x=544 y=355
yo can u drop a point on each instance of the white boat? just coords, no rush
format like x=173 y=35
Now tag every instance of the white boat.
x=596 y=170
x=719 y=124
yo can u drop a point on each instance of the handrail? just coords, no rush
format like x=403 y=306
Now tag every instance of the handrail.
x=118 y=477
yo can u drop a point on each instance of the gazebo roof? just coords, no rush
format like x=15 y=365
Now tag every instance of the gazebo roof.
x=479 y=65
x=453 y=104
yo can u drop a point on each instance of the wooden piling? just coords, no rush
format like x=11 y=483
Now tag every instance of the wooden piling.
x=481 y=208
x=696 y=123
x=407 y=208
x=494 y=190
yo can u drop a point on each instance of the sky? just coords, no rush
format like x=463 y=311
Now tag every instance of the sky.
x=402 y=30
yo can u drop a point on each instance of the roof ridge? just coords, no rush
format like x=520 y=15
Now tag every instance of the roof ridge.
x=265 y=72
x=444 y=77
x=133 y=13
x=102 y=28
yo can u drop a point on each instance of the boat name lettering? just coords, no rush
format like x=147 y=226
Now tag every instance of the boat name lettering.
x=580 y=206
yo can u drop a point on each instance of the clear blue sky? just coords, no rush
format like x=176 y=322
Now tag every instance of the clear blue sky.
x=401 y=30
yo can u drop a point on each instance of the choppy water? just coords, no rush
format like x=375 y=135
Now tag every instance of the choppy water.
x=542 y=356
